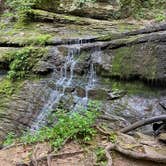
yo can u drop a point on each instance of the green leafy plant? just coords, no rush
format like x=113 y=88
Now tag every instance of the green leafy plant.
x=113 y=137
x=76 y=126
x=23 y=60
x=10 y=138
x=101 y=157
x=21 y=8
x=6 y=87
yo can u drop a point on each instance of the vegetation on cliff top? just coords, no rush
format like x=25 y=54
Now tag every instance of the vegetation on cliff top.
x=137 y=8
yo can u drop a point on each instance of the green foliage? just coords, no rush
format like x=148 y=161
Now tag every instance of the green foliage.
x=160 y=17
x=23 y=60
x=76 y=126
x=41 y=39
x=10 y=138
x=22 y=8
x=101 y=157
x=7 y=87
x=141 y=9
x=113 y=137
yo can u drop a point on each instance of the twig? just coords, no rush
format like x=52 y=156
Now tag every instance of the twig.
x=102 y=131
x=60 y=155
x=34 y=156
x=12 y=146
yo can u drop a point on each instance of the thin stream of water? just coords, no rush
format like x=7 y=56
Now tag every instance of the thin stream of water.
x=65 y=80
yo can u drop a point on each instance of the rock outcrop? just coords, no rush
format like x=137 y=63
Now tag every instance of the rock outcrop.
x=19 y=111
x=99 y=10
x=116 y=48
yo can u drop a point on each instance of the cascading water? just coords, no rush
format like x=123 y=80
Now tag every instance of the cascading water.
x=92 y=79
x=66 y=80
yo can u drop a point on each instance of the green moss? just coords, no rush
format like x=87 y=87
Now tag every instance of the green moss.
x=135 y=88
x=23 y=60
x=122 y=62
x=137 y=60
x=29 y=35
x=8 y=87
x=108 y=37
x=44 y=15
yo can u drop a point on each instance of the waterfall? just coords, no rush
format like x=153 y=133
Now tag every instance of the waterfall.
x=65 y=80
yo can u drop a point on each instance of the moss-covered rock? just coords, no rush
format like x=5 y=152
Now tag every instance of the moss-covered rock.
x=41 y=15
x=136 y=56
x=134 y=61
x=139 y=61
x=23 y=60
x=94 y=9
x=5 y=57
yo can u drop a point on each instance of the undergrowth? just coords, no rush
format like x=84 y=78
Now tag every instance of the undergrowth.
x=143 y=9
x=7 y=87
x=138 y=9
x=69 y=126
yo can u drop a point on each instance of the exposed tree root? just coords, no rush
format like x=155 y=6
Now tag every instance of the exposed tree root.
x=47 y=158
x=34 y=156
x=132 y=154
x=102 y=130
x=143 y=123
x=108 y=155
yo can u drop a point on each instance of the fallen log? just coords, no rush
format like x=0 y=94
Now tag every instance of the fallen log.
x=143 y=123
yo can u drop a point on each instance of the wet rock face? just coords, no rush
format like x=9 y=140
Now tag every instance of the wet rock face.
x=144 y=61
x=129 y=109
x=18 y=112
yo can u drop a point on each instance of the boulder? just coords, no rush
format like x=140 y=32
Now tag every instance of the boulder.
x=116 y=94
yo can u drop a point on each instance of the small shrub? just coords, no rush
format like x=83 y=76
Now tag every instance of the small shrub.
x=21 y=8
x=101 y=157
x=77 y=126
x=10 y=138
x=113 y=137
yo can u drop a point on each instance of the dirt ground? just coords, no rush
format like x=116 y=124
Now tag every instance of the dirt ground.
x=72 y=154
